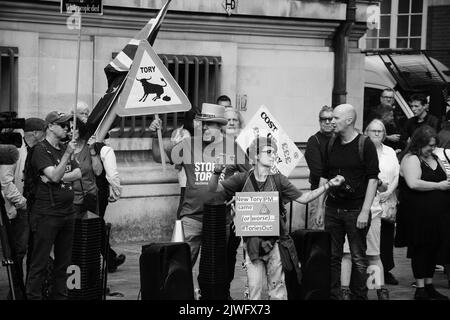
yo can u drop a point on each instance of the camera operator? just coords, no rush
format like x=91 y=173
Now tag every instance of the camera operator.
x=53 y=216
x=347 y=210
x=18 y=198
x=15 y=206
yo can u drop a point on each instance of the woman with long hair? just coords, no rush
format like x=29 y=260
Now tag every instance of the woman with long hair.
x=423 y=217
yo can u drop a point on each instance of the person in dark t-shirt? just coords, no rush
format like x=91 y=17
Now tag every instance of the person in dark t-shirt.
x=197 y=155
x=52 y=215
x=419 y=106
x=347 y=210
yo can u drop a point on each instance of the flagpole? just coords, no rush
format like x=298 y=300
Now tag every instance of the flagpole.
x=77 y=76
x=161 y=146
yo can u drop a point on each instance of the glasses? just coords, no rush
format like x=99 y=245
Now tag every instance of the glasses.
x=324 y=119
x=376 y=131
x=62 y=125
x=386 y=97
x=269 y=152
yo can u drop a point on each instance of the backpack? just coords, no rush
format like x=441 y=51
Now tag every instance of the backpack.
x=361 y=141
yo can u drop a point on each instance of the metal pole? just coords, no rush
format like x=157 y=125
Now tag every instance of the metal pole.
x=77 y=76
x=161 y=146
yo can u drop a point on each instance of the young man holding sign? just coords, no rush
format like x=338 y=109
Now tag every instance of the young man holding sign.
x=263 y=256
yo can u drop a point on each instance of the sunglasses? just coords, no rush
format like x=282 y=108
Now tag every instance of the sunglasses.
x=62 y=125
x=324 y=119
x=269 y=152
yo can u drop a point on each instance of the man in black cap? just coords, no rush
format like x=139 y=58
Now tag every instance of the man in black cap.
x=52 y=215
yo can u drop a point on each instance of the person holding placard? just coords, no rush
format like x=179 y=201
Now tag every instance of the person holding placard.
x=263 y=256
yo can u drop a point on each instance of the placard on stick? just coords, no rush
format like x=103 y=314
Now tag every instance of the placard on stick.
x=257 y=214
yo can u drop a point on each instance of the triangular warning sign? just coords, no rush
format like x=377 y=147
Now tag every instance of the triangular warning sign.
x=264 y=210
x=150 y=88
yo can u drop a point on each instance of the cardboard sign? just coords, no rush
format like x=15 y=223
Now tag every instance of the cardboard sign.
x=150 y=88
x=86 y=6
x=264 y=124
x=257 y=214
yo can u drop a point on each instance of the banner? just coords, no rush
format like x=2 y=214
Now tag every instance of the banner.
x=263 y=123
x=257 y=214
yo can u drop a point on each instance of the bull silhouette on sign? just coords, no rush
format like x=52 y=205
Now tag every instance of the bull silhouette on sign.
x=151 y=88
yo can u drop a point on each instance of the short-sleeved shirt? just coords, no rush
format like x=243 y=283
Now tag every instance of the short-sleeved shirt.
x=198 y=160
x=52 y=198
x=240 y=182
x=344 y=160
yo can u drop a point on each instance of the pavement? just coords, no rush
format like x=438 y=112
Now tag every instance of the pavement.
x=124 y=284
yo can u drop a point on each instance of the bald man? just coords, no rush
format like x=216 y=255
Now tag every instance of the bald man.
x=347 y=208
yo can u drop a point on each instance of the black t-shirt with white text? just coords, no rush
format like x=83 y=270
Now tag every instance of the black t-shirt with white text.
x=52 y=198
x=344 y=160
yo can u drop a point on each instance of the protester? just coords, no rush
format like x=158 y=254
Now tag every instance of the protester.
x=225 y=101
x=16 y=224
x=423 y=217
x=385 y=111
x=383 y=209
x=197 y=155
x=235 y=122
x=347 y=210
x=83 y=111
x=263 y=256
x=443 y=153
x=34 y=132
x=109 y=190
x=52 y=216
x=419 y=106
x=85 y=189
x=314 y=155
x=186 y=131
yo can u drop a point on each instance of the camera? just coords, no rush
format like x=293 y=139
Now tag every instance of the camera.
x=345 y=190
x=9 y=122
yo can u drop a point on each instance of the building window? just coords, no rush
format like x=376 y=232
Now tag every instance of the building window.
x=197 y=76
x=402 y=25
x=8 y=79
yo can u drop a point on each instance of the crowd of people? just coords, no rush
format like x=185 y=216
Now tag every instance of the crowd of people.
x=373 y=190
x=58 y=176
x=355 y=194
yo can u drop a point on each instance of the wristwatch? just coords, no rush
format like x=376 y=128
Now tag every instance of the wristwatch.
x=92 y=152
x=217 y=172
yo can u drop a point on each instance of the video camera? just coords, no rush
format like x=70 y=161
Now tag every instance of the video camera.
x=9 y=122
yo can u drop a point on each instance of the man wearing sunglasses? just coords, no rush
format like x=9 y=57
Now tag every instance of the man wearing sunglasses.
x=263 y=260
x=52 y=215
x=314 y=155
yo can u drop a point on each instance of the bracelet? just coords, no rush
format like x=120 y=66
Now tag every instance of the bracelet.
x=217 y=173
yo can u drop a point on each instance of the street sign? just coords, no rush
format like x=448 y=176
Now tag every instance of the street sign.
x=264 y=124
x=150 y=88
x=86 y=6
x=257 y=214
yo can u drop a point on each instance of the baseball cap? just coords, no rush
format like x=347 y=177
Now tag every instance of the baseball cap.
x=57 y=117
x=34 y=124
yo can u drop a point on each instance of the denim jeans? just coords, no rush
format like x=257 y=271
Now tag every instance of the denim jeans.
x=193 y=235
x=341 y=222
x=48 y=231
x=268 y=269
